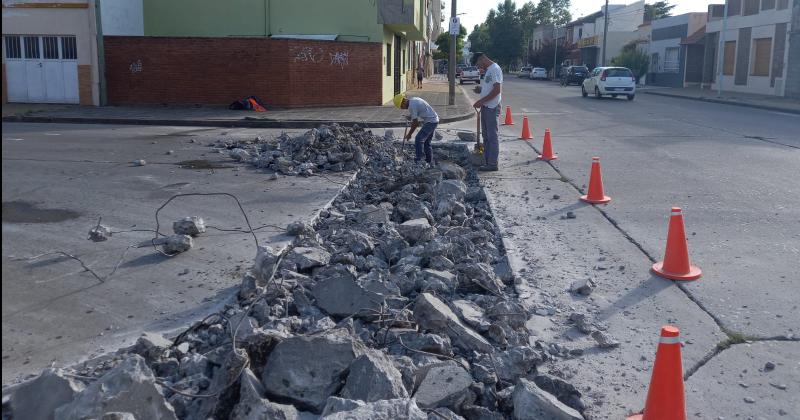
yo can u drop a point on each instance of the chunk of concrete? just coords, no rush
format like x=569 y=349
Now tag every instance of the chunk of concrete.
x=307 y=258
x=371 y=214
x=175 y=244
x=532 y=403
x=479 y=277
x=130 y=387
x=582 y=287
x=190 y=225
x=116 y=415
x=410 y=208
x=416 y=230
x=451 y=188
x=443 y=385
x=39 y=398
x=373 y=377
x=443 y=413
x=264 y=265
x=433 y=315
x=299 y=228
x=151 y=345
x=100 y=233
x=513 y=363
x=452 y=171
x=511 y=312
x=471 y=313
x=307 y=370
x=341 y=296
x=252 y=405
x=336 y=404
x=466 y=136
x=397 y=409
x=239 y=155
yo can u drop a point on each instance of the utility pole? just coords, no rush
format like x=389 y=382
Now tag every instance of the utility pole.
x=555 y=53
x=605 y=34
x=722 y=49
x=451 y=97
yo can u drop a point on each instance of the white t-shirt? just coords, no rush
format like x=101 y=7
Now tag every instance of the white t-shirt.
x=493 y=75
x=421 y=110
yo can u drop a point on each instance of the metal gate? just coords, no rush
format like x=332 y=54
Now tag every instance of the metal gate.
x=397 y=65
x=41 y=68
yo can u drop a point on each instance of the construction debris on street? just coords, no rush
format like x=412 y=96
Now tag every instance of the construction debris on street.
x=397 y=302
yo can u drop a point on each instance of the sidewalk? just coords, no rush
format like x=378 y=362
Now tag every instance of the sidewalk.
x=771 y=103
x=434 y=92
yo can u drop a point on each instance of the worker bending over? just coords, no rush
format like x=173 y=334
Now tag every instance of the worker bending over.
x=421 y=113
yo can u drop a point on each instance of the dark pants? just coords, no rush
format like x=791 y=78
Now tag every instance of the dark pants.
x=423 y=141
x=490 y=118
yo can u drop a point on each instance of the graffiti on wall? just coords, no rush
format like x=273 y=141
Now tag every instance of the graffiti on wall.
x=340 y=58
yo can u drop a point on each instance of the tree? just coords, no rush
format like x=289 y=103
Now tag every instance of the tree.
x=479 y=38
x=443 y=44
x=633 y=59
x=505 y=33
x=553 y=12
x=657 y=10
x=544 y=56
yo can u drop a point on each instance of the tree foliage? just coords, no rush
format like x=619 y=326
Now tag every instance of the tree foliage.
x=505 y=33
x=443 y=44
x=657 y=10
x=479 y=38
x=632 y=58
x=547 y=55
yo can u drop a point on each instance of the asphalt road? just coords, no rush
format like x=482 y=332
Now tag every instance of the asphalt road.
x=733 y=170
x=58 y=179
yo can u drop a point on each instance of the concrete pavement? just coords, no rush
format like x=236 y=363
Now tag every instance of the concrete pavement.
x=729 y=168
x=59 y=179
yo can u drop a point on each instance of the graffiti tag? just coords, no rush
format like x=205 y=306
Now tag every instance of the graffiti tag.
x=136 y=67
x=340 y=58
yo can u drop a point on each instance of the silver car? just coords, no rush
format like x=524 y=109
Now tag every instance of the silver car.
x=538 y=73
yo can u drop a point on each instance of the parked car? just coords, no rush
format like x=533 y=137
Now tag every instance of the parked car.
x=538 y=73
x=525 y=72
x=574 y=74
x=470 y=74
x=459 y=69
x=612 y=81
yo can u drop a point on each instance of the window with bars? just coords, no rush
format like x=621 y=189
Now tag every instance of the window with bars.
x=50 y=47
x=388 y=59
x=31 y=47
x=762 y=47
x=13 y=47
x=729 y=59
x=69 y=48
x=671 y=61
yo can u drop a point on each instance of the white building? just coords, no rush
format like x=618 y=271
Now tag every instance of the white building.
x=756 y=47
x=623 y=25
x=668 y=54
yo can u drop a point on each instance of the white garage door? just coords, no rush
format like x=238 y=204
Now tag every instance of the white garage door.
x=41 y=68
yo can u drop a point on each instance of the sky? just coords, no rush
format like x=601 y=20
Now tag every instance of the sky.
x=475 y=11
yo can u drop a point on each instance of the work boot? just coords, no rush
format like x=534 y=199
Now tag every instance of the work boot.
x=488 y=168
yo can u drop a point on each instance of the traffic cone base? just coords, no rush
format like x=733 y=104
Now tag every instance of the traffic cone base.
x=547 y=147
x=508 y=120
x=676 y=264
x=665 y=395
x=603 y=200
x=595 y=194
x=693 y=274
x=540 y=157
x=526 y=131
x=636 y=417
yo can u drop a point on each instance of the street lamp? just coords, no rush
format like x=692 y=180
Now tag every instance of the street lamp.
x=555 y=50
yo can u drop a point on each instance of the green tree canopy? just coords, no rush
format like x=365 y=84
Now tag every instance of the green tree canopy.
x=479 y=38
x=633 y=59
x=505 y=33
x=443 y=44
x=657 y=10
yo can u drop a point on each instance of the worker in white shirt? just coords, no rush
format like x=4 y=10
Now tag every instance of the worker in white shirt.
x=489 y=104
x=421 y=114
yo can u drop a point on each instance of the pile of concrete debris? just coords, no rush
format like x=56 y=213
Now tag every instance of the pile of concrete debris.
x=328 y=148
x=397 y=303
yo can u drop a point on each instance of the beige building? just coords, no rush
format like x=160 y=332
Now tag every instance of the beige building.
x=50 y=52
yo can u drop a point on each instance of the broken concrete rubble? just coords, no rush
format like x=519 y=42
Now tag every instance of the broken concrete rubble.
x=307 y=370
x=175 y=244
x=100 y=233
x=417 y=230
x=373 y=377
x=381 y=410
x=190 y=225
x=443 y=385
x=532 y=403
x=433 y=315
x=39 y=398
x=130 y=387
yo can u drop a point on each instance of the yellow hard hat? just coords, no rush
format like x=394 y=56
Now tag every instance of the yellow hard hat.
x=398 y=99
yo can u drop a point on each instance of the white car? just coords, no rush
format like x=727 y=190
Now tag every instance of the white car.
x=524 y=72
x=470 y=74
x=612 y=81
x=538 y=73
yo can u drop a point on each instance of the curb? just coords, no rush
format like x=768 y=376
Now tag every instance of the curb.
x=247 y=122
x=724 y=101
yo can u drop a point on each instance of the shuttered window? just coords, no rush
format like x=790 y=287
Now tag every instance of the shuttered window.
x=730 y=58
x=750 y=7
x=767 y=4
x=762 y=48
x=734 y=7
x=783 y=4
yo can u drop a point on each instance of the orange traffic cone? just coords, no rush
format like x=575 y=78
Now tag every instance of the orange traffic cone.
x=547 y=149
x=508 y=121
x=676 y=264
x=665 y=399
x=596 y=195
x=526 y=132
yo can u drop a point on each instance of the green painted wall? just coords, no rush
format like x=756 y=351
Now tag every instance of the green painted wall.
x=210 y=18
x=356 y=18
